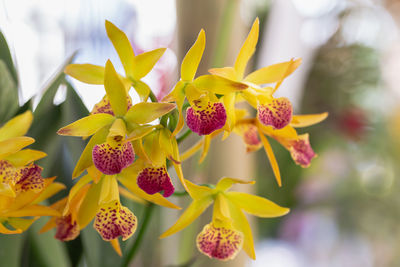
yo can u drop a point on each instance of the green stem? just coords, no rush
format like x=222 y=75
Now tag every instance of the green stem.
x=153 y=97
x=146 y=221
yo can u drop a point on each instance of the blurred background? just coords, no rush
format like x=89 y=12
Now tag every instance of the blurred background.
x=345 y=208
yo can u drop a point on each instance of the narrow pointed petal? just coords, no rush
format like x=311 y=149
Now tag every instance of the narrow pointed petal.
x=206 y=119
x=271 y=157
x=89 y=206
x=87 y=73
x=114 y=220
x=192 y=212
x=115 y=90
x=154 y=180
x=122 y=46
x=227 y=182
x=273 y=73
x=24 y=157
x=32 y=210
x=124 y=192
x=49 y=191
x=14 y=145
x=227 y=72
x=218 y=85
x=142 y=89
x=115 y=244
x=256 y=205
x=307 y=120
x=17 y=126
x=146 y=112
x=198 y=192
x=112 y=159
x=229 y=101
x=140 y=132
x=247 y=50
x=219 y=242
x=66 y=229
x=277 y=113
x=191 y=61
x=301 y=151
x=145 y=62
x=206 y=148
x=87 y=126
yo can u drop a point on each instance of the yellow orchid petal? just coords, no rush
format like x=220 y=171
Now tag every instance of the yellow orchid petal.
x=152 y=149
x=271 y=157
x=140 y=132
x=256 y=205
x=307 y=120
x=273 y=73
x=206 y=147
x=139 y=151
x=131 y=196
x=128 y=179
x=218 y=85
x=88 y=125
x=115 y=244
x=74 y=191
x=287 y=132
x=221 y=210
x=292 y=66
x=249 y=133
x=240 y=222
x=87 y=73
x=247 y=50
x=32 y=210
x=227 y=72
x=169 y=145
x=85 y=161
x=178 y=95
x=49 y=191
x=4 y=230
x=198 y=191
x=191 y=61
x=20 y=223
x=226 y=182
x=24 y=157
x=117 y=132
x=146 y=112
x=17 y=126
x=115 y=89
x=122 y=46
x=145 y=62
x=229 y=104
x=89 y=206
x=13 y=145
x=142 y=89
x=109 y=190
x=193 y=211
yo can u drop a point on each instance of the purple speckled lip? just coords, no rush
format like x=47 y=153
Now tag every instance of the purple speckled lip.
x=112 y=160
x=218 y=242
x=302 y=152
x=206 y=120
x=154 y=180
x=277 y=113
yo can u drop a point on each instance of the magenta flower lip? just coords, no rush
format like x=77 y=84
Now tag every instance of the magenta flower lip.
x=206 y=120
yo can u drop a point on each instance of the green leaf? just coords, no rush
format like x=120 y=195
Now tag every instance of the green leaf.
x=5 y=56
x=8 y=94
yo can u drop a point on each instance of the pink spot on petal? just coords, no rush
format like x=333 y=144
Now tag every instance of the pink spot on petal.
x=302 y=152
x=104 y=106
x=66 y=228
x=277 y=113
x=154 y=180
x=206 y=120
x=112 y=160
x=7 y=173
x=29 y=178
x=249 y=133
x=219 y=242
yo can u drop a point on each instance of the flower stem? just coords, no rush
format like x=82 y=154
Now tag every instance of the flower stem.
x=146 y=221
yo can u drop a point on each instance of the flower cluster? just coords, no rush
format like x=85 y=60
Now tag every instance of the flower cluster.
x=132 y=145
x=22 y=187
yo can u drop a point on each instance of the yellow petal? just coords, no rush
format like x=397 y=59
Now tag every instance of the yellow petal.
x=271 y=157
x=247 y=50
x=225 y=183
x=221 y=210
x=49 y=191
x=142 y=89
x=307 y=120
x=117 y=132
x=193 y=211
x=88 y=125
x=240 y=222
x=206 y=147
x=292 y=66
x=140 y=132
x=169 y=145
x=218 y=85
x=192 y=59
x=256 y=205
x=4 y=230
x=75 y=189
x=152 y=149
x=198 y=191
x=32 y=210
x=115 y=244
x=20 y=223
x=115 y=89
x=227 y=72
x=87 y=73
x=178 y=95
x=85 y=161
x=24 y=157
x=13 y=145
x=273 y=73
x=109 y=190
x=122 y=46
x=145 y=62
x=287 y=132
x=229 y=104
x=17 y=126
x=131 y=196
x=146 y=112
x=89 y=206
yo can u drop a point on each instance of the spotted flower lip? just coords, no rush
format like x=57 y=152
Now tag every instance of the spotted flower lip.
x=301 y=151
x=29 y=178
x=67 y=229
x=206 y=120
x=113 y=159
x=154 y=180
x=114 y=220
x=277 y=113
x=219 y=242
